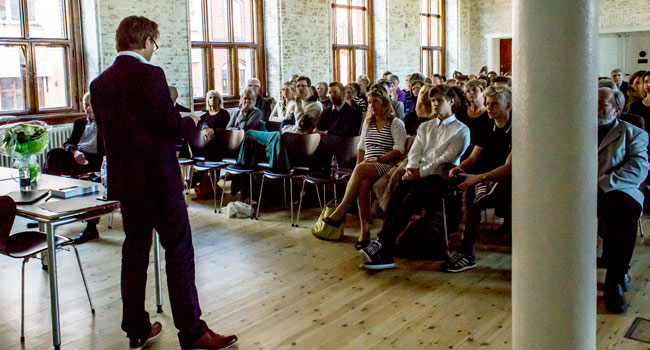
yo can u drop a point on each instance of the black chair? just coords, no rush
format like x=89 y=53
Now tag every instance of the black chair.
x=345 y=151
x=300 y=149
x=26 y=244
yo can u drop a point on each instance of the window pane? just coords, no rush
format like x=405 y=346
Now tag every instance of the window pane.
x=10 y=19
x=198 y=75
x=436 y=61
x=196 y=20
x=342 y=2
x=246 y=67
x=242 y=15
x=423 y=6
x=435 y=41
x=218 y=20
x=221 y=71
x=435 y=7
x=12 y=78
x=46 y=18
x=423 y=31
x=360 y=62
x=358 y=27
x=344 y=66
x=358 y=3
x=425 y=63
x=51 y=74
x=342 y=28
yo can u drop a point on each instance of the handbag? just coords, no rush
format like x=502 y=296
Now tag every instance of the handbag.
x=323 y=230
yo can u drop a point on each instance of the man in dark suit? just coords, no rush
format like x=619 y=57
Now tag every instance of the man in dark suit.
x=82 y=153
x=139 y=124
x=617 y=78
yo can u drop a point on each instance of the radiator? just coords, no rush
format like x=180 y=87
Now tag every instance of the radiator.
x=58 y=135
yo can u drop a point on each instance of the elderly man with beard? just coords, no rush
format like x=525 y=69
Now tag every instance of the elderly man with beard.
x=622 y=167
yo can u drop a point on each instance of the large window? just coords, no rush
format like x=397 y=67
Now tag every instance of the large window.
x=38 y=61
x=352 y=40
x=432 y=36
x=226 y=46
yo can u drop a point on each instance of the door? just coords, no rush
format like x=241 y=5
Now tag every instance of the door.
x=505 y=56
x=637 y=51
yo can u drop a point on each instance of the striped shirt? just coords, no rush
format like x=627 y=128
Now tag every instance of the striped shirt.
x=378 y=142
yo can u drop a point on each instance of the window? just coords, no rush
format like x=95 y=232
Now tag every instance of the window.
x=352 y=38
x=432 y=37
x=227 y=47
x=38 y=62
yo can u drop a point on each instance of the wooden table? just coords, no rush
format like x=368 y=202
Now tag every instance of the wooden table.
x=49 y=220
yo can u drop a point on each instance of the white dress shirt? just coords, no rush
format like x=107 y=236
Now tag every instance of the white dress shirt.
x=438 y=142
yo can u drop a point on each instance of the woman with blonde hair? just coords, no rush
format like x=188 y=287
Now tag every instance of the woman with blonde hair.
x=283 y=110
x=422 y=111
x=382 y=143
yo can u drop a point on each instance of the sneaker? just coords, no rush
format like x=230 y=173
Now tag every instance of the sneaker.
x=484 y=190
x=140 y=343
x=379 y=261
x=371 y=249
x=459 y=262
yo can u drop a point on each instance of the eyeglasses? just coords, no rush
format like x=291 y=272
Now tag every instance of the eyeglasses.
x=302 y=85
x=155 y=46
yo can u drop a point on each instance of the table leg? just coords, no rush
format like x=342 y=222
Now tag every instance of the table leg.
x=156 y=253
x=54 y=289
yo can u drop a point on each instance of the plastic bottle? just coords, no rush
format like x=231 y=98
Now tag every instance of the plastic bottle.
x=25 y=179
x=104 y=179
x=334 y=175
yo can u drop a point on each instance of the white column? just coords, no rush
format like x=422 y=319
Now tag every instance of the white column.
x=554 y=174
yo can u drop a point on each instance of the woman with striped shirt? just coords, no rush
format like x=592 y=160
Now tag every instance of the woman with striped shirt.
x=382 y=143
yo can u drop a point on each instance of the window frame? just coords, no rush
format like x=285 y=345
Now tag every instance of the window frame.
x=433 y=49
x=74 y=66
x=207 y=46
x=351 y=47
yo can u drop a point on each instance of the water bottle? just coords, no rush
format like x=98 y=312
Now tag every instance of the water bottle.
x=24 y=178
x=104 y=179
x=334 y=175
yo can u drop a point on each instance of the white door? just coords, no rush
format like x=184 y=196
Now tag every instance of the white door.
x=637 y=51
x=609 y=54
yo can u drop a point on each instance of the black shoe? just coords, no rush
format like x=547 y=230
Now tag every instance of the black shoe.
x=484 y=192
x=459 y=262
x=86 y=235
x=375 y=258
x=328 y=220
x=614 y=299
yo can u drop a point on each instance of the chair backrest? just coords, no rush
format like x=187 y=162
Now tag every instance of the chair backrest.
x=229 y=142
x=300 y=148
x=343 y=147
x=7 y=217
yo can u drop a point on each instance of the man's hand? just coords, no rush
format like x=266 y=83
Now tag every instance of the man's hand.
x=80 y=158
x=412 y=174
x=470 y=180
x=456 y=171
x=393 y=93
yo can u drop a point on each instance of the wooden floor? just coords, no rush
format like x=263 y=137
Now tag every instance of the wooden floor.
x=277 y=287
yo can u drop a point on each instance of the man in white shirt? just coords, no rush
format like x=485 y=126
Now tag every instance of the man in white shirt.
x=307 y=105
x=438 y=146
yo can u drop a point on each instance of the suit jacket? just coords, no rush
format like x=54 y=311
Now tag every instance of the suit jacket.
x=139 y=124
x=265 y=106
x=624 y=88
x=78 y=129
x=179 y=107
x=623 y=160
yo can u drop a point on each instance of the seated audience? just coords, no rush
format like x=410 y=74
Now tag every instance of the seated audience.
x=450 y=82
x=438 y=145
x=476 y=117
x=360 y=100
x=307 y=106
x=396 y=93
x=386 y=75
x=642 y=107
x=382 y=144
x=416 y=83
x=260 y=102
x=82 y=153
x=635 y=92
x=353 y=100
x=461 y=81
x=321 y=91
x=502 y=81
x=284 y=110
x=364 y=82
x=483 y=71
x=294 y=79
x=398 y=106
x=460 y=103
x=486 y=178
x=492 y=74
x=484 y=80
x=617 y=78
x=341 y=119
x=622 y=167
x=407 y=94
x=437 y=79
x=174 y=95
x=421 y=113
x=248 y=117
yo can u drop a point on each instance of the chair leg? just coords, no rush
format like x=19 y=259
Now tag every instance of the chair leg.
x=318 y=194
x=444 y=222
x=189 y=186
x=83 y=277
x=284 y=191
x=259 y=200
x=250 y=194
x=302 y=193
x=640 y=228
x=22 y=304
x=324 y=196
x=213 y=182
x=110 y=221
x=336 y=200
x=225 y=178
x=291 y=198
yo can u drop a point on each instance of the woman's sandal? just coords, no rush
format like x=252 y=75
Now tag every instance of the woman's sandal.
x=362 y=244
x=333 y=223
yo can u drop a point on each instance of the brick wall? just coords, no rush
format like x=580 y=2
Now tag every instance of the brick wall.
x=173 y=55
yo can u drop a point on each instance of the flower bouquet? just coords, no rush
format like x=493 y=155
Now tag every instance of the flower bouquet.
x=23 y=141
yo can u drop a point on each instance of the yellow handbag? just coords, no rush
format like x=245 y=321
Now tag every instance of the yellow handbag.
x=324 y=230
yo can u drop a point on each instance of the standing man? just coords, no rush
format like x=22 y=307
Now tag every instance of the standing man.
x=139 y=124
x=617 y=78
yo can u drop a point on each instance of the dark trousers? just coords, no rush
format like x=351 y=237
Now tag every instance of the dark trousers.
x=61 y=162
x=409 y=196
x=618 y=214
x=500 y=199
x=168 y=216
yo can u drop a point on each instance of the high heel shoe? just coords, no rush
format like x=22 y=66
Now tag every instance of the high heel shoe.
x=362 y=243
